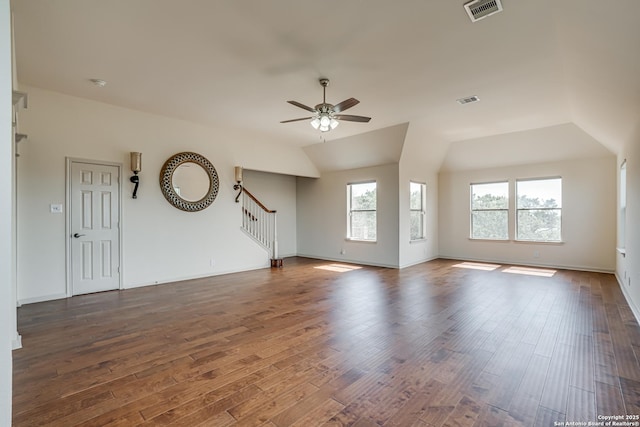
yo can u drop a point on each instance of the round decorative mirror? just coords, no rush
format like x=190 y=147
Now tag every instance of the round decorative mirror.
x=189 y=181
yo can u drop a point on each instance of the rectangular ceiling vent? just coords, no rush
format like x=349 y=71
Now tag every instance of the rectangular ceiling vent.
x=479 y=9
x=467 y=100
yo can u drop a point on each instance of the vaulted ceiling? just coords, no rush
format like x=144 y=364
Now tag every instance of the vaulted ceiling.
x=537 y=64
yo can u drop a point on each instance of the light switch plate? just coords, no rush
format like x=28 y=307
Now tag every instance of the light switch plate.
x=55 y=208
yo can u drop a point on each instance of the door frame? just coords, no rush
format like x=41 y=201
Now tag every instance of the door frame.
x=67 y=229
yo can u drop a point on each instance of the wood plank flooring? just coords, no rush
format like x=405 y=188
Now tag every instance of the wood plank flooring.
x=430 y=345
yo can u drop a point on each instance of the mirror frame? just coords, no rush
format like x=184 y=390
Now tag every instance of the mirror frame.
x=166 y=184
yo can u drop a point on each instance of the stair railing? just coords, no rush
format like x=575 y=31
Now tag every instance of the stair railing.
x=260 y=223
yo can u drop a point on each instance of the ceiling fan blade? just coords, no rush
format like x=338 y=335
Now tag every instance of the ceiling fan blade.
x=296 y=120
x=350 y=118
x=347 y=103
x=304 y=107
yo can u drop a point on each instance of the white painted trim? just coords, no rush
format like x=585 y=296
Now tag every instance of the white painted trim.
x=632 y=306
x=42 y=298
x=68 y=273
x=528 y=264
x=199 y=276
x=411 y=264
x=16 y=343
x=349 y=261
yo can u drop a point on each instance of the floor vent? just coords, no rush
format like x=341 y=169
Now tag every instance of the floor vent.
x=467 y=100
x=479 y=9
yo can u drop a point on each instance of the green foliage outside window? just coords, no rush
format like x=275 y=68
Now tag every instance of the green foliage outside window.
x=539 y=207
x=538 y=210
x=362 y=211
x=490 y=211
x=416 y=211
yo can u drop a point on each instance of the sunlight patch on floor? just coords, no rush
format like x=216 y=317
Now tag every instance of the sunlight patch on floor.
x=340 y=268
x=477 y=266
x=540 y=272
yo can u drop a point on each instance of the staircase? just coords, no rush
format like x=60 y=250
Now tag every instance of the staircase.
x=260 y=224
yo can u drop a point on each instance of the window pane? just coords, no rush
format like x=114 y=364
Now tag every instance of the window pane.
x=623 y=185
x=416 y=219
x=363 y=225
x=539 y=193
x=415 y=202
x=622 y=228
x=363 y=196
x=490 y=225
x=539 y=225
x=490 y=196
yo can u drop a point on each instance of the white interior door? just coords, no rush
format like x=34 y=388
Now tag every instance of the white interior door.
x=95 y=221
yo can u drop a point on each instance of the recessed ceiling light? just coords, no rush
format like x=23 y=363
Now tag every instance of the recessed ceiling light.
x=98 y=82
x=468 y=99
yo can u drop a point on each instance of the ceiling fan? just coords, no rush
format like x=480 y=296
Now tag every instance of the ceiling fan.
x=326 y=115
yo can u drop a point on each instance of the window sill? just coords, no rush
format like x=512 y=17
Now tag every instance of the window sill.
x=348 y=239
x=527 y=242
x=540 y=242
x=490 y=240
x=424 y=239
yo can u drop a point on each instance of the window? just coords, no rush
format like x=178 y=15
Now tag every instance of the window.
x=490 y=211
x=361 y=211
x=417 y=210
x=539 y=210
x=623 y=205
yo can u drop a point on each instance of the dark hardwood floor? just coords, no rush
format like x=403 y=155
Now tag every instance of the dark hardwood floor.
x=429 y=345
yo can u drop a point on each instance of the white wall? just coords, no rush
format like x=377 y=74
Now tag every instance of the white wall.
x=422 y=155
x=322 y=217
x=588 y=216
x=628 y=266
x=277 y=192
x=7 y=302
x=160 y=242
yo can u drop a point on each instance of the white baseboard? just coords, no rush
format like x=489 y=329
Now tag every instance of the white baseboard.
x=41 y=299
x=16 y=343
x=200 y=276
x=632 y=306
x=529 y=264
x=418 y=262
x=350 y=261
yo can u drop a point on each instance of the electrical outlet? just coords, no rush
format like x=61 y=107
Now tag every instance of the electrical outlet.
x=212 y=262
x=343 y=252
x=629 y=280
x=536 y=254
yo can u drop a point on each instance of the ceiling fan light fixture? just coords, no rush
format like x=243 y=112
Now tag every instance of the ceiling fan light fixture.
x=325 y=120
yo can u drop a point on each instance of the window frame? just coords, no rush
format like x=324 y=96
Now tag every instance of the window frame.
x=622 y=228
x=350 y=211
x=518 y=209
x=422 y=210
x=507 y=209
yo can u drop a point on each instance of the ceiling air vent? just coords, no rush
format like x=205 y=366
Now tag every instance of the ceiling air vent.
x=479 y=9
x=467 y=100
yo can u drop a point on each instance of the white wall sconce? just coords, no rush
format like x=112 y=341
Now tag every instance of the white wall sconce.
x=238 y=185
x=136 y=167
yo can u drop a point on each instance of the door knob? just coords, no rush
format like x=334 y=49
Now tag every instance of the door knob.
x=77 y=235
